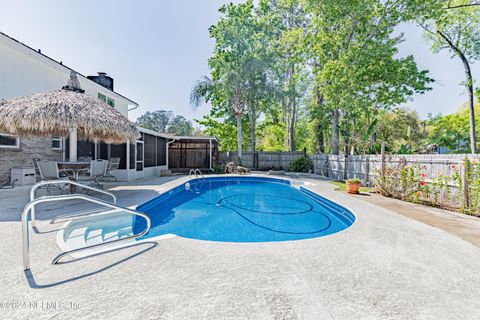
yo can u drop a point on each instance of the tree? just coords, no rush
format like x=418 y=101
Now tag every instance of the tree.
x=401 y=128
x=458 y=31
x=289 y=20
x=156 y=120
x=356 y=69
x=233 y=64
x=180 y=126
x=452 y=130
x=165 y=122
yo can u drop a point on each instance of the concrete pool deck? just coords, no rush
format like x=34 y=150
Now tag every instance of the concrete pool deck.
x=385 y=266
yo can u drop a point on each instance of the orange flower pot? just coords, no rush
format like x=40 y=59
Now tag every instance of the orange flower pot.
x=353 y=187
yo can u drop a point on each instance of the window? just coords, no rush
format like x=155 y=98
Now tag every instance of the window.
x=111 y=102
x=9 y=141
x=57 y=143
x=107 y=100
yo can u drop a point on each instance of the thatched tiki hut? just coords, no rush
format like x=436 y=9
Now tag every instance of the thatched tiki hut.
x=66 y=112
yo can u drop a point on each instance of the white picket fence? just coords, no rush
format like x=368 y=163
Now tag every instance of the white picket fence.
x=434 y=167
x=367 y=168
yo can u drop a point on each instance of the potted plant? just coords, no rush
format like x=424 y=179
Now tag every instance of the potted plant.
x=353 y=185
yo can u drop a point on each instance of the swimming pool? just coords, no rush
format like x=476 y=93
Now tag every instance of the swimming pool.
x=243 y=209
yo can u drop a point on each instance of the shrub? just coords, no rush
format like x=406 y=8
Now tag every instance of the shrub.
x=301 y=165
x=353 y=181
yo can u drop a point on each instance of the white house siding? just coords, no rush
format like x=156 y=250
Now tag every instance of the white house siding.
x=24 y=71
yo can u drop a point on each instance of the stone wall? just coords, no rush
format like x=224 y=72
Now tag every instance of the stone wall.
x=32 y=147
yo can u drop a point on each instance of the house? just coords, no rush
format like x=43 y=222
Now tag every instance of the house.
x=24 y=71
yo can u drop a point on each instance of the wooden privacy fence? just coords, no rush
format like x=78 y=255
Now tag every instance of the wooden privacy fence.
x=263 y=160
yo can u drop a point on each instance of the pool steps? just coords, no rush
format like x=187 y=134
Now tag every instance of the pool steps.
x=110 y=208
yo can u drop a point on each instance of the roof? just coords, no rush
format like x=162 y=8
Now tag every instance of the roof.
x=193 y=138
x=173 y=137
x=62 y=65
x=155 y=133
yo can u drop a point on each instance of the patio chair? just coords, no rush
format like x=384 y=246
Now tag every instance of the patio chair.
x=112 y=165
x=84 y=159
x=48 y=170
x=98 y=169
x=38 y=176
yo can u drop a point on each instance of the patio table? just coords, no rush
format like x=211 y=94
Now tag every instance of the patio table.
x=73 y=166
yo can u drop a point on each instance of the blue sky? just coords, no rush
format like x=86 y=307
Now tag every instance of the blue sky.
x=156 y=50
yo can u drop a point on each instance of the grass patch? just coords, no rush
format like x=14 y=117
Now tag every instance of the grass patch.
x=341 y=186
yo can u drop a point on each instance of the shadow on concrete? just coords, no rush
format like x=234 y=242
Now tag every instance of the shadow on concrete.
x=34 y=285
x=48 y=211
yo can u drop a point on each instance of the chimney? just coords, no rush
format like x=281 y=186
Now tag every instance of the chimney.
x=103 y=80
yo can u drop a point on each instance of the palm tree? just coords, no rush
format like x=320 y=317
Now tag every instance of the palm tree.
x=234 y=86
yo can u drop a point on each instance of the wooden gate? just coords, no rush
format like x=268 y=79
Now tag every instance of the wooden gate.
x=184 y=155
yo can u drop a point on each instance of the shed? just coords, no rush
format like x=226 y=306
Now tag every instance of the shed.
x=186 y=153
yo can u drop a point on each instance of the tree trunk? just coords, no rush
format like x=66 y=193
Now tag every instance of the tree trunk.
x=291 y=139
x=290 y=112
x=471 y=104
x=468 y=73
x=320 y=133
x=320 y=140
x=335 y=131
x=239 y=137
x=253 y=123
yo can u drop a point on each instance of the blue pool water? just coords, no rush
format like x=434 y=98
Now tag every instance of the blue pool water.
x=243 y=209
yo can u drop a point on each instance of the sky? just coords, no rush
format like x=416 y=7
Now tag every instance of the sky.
x=156 y=49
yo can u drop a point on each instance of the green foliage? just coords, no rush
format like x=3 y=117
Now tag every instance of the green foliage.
x=404 y=182
x=288 y=65
x=180 y=126
x=458 y=31
x=354 y=181
x=165 y=121
x=156 y=120
x=452 y=130
x=301 y=165
x=224 y=130
x=401 y=130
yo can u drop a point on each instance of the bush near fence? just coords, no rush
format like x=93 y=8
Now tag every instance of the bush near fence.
x=448 y=180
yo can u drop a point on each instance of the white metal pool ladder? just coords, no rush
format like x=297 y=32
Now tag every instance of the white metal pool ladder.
x=30 y=208
x=197 y=173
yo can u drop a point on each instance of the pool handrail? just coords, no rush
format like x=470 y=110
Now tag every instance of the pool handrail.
x=69 y=182
x=28 y=208
x=200 y=172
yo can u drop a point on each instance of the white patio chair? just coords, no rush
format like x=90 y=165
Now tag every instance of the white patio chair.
x=48 y=170
x=113 y=165
x=97 y=169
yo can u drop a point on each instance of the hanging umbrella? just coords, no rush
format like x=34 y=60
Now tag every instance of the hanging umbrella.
x=66 y=112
